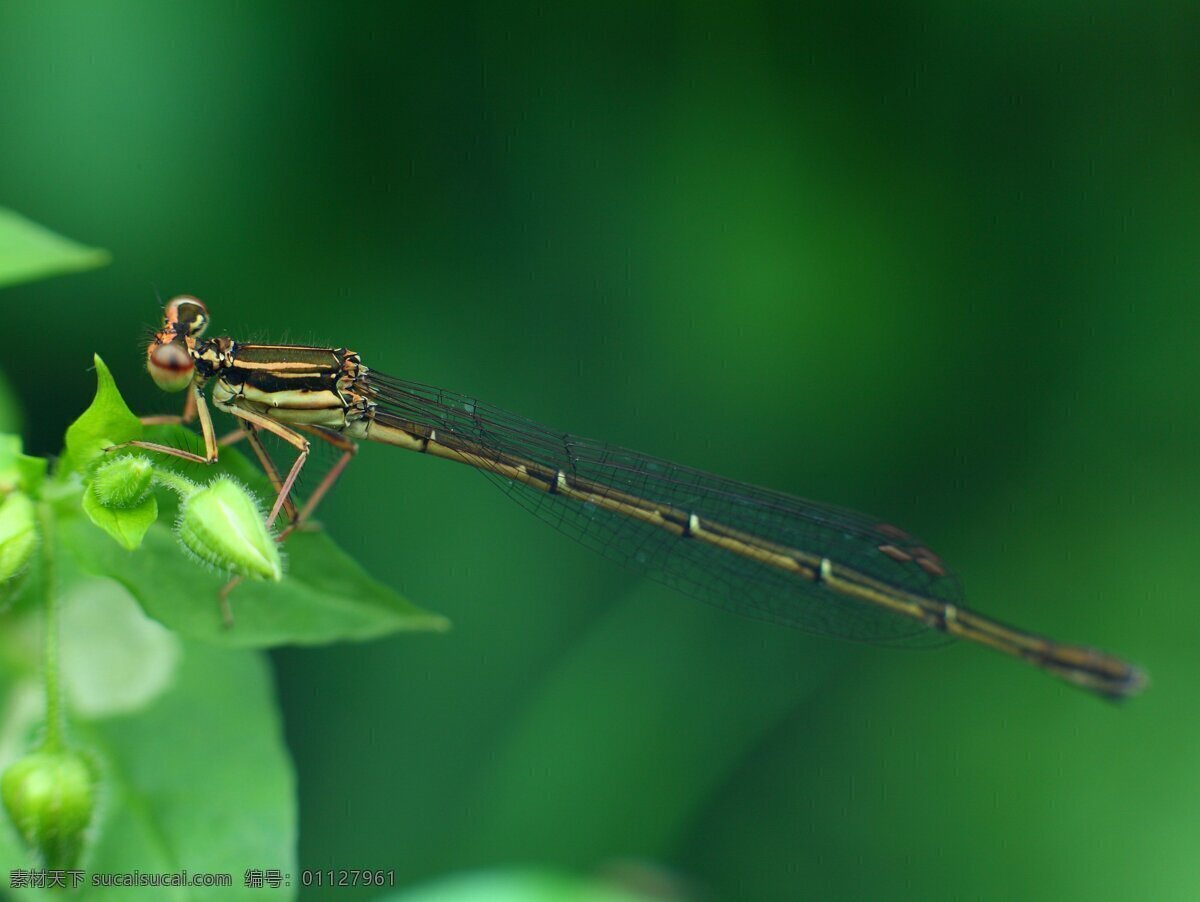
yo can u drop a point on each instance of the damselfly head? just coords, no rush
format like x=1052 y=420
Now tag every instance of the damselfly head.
x=169 y=356
x=169 y=364
x=186 y=316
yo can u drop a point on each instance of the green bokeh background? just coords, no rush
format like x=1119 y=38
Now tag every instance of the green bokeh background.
x=934 y=261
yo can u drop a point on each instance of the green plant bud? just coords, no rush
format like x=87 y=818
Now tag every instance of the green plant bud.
x=50 y=797
x=222 y=525
x=123 y=481
x=18 y=534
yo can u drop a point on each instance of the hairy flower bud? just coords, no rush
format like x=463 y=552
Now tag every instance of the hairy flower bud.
x=222 y=525
x=50 y=797
x=123 y=481
x=18 y=534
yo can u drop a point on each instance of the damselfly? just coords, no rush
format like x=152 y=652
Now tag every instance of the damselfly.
x=750 y=550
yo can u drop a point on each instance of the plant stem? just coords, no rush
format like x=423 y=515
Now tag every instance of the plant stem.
x=179 y=484
x=56 y=727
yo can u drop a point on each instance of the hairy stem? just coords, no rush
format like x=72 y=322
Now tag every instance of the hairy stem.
x=56 y=727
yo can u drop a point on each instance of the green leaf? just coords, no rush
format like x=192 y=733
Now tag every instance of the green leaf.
x=24 y=591
x=127 y=525
x=19 y=472
x=31 y=473
x=325 y=596
x=18 y=534
x=28 y=251
x=118 y=499
x=113 y=658
x=196 y=777
x=107 y=422
x=201 y=779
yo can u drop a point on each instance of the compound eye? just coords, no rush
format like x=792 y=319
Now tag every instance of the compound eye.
x=170 y=366
x=187 y=314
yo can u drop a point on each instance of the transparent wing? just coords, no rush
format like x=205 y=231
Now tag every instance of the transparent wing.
x=710 y=573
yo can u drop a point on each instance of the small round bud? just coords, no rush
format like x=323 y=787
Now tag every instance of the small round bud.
x=122 y=482
x=18 y=534
x=50 y=797
x=222 y=525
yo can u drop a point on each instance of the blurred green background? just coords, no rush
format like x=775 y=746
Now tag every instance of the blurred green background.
x=933 y=261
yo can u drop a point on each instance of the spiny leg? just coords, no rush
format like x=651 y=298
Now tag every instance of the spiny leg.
x=223 y=601
x=272 y=471
x=348 y=449
x=165 y=449
x=189 y=409
x=200 y=407
x=289 y=435
x=343 y=444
